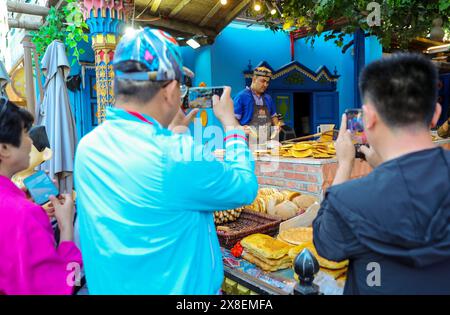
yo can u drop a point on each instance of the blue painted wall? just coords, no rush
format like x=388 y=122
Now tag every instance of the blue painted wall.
x=223 y=62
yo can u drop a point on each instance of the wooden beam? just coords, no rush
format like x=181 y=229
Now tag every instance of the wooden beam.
x=146 y=6
x=176 y=25
x=234 y=13
x=26 y=8
x=155 y=5
x=211 y=13
x=179 y=7
x=24 y=24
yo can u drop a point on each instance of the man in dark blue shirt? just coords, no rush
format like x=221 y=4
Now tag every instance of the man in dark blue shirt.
x=254 y=108
x=393 y=225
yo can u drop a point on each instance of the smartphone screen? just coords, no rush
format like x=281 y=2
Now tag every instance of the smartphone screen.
x=201 y=97
x=40 y=187
x=355 y=125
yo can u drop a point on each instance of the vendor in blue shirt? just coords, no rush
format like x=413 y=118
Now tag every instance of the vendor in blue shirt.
x=254 y=108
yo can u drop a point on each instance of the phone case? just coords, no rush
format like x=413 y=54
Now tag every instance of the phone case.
x=40 y=187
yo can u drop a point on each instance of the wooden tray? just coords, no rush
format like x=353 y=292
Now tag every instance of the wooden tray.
x=248 y=223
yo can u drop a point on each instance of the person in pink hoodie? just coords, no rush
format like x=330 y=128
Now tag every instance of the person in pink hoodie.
x=30 y=260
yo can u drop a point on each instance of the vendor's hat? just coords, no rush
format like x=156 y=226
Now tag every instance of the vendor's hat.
x=262 y=72
x=156 y=50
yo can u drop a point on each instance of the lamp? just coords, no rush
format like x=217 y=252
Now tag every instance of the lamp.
x=271 y=9
x=223 y=2
x=130 y=30
x=193 y=43
x=257 y=6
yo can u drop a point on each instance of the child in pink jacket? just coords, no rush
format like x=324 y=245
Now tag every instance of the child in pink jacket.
x=30 y=260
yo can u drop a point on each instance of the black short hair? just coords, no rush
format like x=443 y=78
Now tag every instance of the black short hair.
x=138 y=91
x=13 y=119
x=403 y=89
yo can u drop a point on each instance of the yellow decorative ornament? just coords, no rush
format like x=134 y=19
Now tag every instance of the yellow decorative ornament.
x=18 y=82
x=319 y=28
x=204 y=118
x=288 y=24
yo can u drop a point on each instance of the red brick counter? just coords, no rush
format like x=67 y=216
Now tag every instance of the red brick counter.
x=308 y=175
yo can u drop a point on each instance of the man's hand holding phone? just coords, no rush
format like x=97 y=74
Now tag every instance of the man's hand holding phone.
x=64 y=214
x=345 y=150
x=371 y=156
x=224 y=109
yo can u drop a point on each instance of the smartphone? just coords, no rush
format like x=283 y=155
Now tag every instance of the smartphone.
x=201 y=97
x=40 y=187
x=355 y=125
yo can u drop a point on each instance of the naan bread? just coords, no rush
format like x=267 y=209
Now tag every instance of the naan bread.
x=304 y=201
x=263 y=265
x=325 y=263
x=297 y=236
x=265 y=246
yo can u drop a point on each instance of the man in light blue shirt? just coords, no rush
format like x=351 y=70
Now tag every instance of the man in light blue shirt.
x=146 y=195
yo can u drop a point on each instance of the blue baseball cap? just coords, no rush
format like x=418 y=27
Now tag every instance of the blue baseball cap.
x=156 y=50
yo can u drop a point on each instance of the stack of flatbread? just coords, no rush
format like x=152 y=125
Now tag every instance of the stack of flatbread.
x=266 y=252
x=302 y=237
x=307 y=149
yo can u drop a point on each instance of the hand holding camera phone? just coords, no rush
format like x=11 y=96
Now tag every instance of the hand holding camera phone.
x=355 y=125
x=202 y=97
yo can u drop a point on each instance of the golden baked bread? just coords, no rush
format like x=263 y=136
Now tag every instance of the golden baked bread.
x=325 y=263
x=302 y=146
x=265 y=245
x=301 y=154
x=297 y=236
x=262 y=264
x=289 y=195
x=286 y=210
x=304 y=201
x=272 y=262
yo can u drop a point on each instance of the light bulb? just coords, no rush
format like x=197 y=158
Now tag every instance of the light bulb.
x=273 y=11
x=223 y=2
x=257 y=7
x=193 y=43
x=130 y=31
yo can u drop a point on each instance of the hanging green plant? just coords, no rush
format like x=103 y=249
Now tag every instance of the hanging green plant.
x=66 y=25
x=400 y=21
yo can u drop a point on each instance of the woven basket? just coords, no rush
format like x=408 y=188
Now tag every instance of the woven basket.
x=249 y=222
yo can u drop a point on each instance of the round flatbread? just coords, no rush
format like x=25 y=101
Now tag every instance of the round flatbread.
x=304 y=201
x=297 y=236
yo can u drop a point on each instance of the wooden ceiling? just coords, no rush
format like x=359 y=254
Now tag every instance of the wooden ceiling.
x=187 y=18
